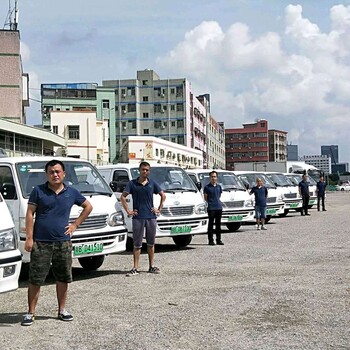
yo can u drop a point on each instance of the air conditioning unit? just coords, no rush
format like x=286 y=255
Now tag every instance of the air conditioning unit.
x=162 y=95
x=123 y=95
x=162 y=110
x=163 y=126
x=124 y=111
x=124 y=127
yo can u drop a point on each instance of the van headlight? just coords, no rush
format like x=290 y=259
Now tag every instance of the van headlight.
x=116 y=219
x=249 y=203
x=201 y=209
x=280 y=198
x=8 y=240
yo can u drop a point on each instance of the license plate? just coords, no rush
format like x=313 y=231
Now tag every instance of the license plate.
x=271 y=211
x=294 y=205
x=180 y=229
x=235 y=218
x=80 y=249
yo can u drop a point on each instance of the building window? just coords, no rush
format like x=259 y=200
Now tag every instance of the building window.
x=157 y=107
x=173 y=139
x=131 y=91
x=172 y=91
x=181 y=140
x=73 y=132
x=180 y=123
x=55 y=129
x=179 y=107
x=144 y=82
x=157 y=124
x=173 y=123
x=172 y=107
x=145 y=115
x=131 y=107
x=145 y=98
x=146 y=131
x=105 y=104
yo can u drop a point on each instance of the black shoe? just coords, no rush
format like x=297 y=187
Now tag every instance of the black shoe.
x=211 y=243
x=302 y=214
x=65 y=316
x=324 y=210
x=220 y=243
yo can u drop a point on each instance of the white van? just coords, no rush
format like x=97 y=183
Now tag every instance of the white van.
x=102 y=233
x=290 y=194
x=274 y=201
x=237 y=205
x=10 y=256
x=184 y=213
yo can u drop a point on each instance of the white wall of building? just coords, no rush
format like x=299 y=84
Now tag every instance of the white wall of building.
x=86 y=138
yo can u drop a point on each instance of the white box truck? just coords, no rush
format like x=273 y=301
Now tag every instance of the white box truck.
x=10 y=255
x=237 y=204
x=184 y=212
x=103 y=232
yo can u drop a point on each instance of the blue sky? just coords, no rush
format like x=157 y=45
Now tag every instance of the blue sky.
x=285 y=61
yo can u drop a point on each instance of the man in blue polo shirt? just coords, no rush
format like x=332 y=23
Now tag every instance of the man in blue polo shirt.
x=212 y=193
x=144 y=215
x=49 y=239
x=321 y=193
x=305 y=195
x=260 y=193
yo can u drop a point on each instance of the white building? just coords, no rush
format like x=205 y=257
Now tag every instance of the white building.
x=321 y=162
x=85 y=136
x=156 y=150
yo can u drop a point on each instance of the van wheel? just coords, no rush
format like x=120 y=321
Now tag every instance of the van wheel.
x=129 y=244
x=91 y=263
x=286 y=211
x=182 y=241
x=233 y=226
x=268 y=218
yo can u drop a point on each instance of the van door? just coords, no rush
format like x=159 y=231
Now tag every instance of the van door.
x=11 y=193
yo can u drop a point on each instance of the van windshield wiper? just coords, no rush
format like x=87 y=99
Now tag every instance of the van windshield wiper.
x=228 y=189
x=180 y=189
x=94 y=193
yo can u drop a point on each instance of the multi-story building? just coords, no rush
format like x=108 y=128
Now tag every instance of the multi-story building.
x=332 y=152
x=247 y=144
x=85 y=137
x=321 y=162
x=13 y=82
x=292 y=152
x=277 y=145
x=145 y=106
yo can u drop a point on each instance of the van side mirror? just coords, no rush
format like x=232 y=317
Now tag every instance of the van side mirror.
x=8 y=191
x=199 y=185
x=117 y=186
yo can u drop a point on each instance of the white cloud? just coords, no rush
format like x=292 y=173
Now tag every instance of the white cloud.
x=299 y=81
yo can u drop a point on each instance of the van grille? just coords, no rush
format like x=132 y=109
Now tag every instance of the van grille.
x=290 y=195
x=271 y=200
x=233 y=204
x=92 y=222
x=178 y=211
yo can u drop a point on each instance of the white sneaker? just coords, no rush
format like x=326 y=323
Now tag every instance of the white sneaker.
x=258 y=228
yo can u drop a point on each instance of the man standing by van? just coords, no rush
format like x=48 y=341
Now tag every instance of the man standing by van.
x=321 y=193
x=49 y=239
x=144 y=215
x=260 y=194
x=212 y=193
x=305 y=195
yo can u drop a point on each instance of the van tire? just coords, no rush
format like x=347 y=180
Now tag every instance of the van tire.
x=129 y=244
x=91 y=263
x=286 y=211
x=233 y=226
x=182 y=241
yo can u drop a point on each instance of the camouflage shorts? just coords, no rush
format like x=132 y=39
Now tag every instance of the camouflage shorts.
x=45 y=254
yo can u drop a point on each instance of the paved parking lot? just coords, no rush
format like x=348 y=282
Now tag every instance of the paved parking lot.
x=284 y=288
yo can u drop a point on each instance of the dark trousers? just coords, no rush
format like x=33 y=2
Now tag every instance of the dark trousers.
x=214 y=217
x=305 y=208
x=320 y=198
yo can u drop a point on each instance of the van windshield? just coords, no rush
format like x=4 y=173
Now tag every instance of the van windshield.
x=279 y=179
x=228 y=181
x=80 y=175
x=250 y=179
x=169 y=178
